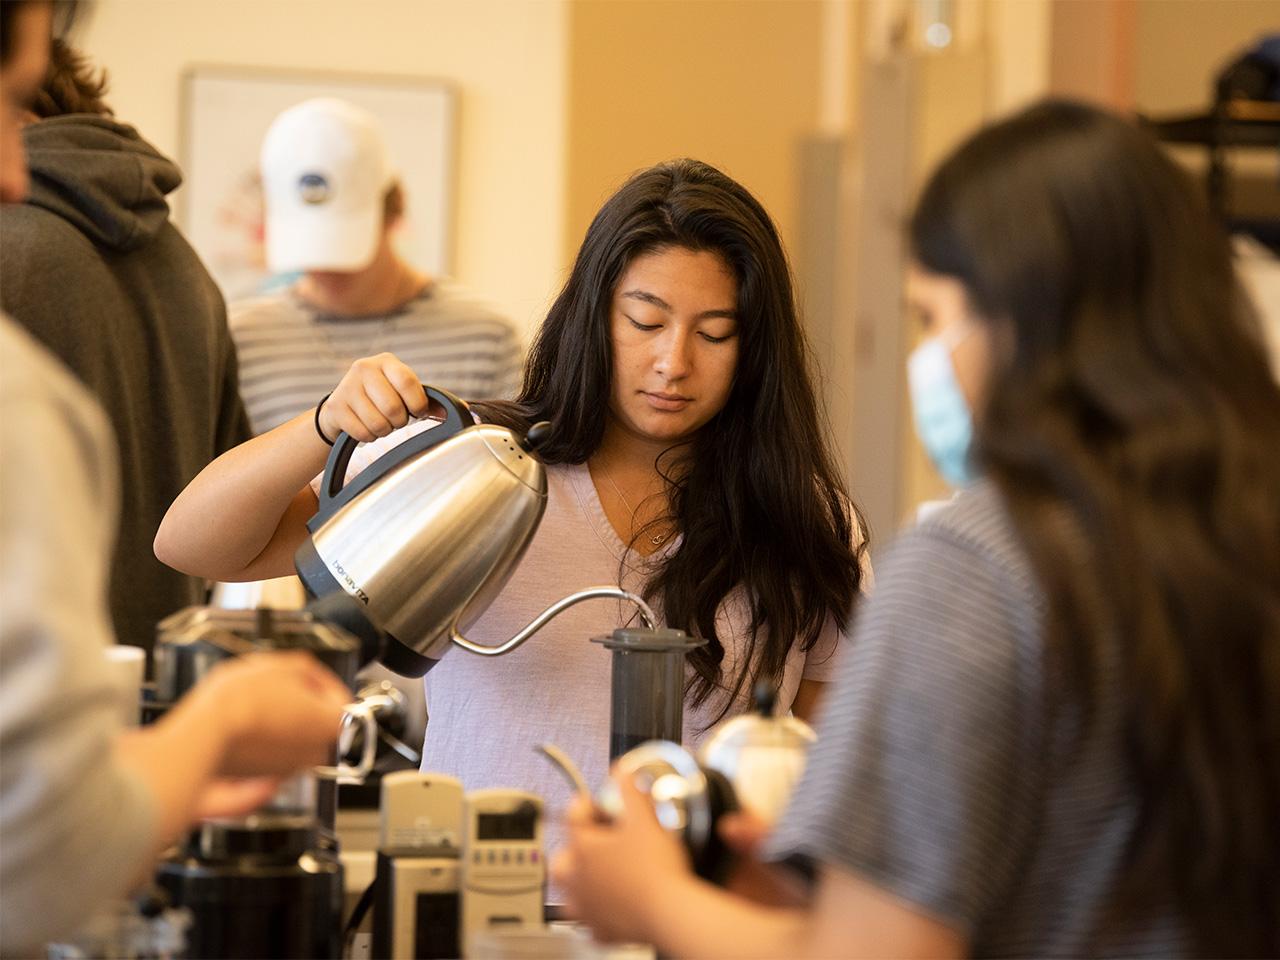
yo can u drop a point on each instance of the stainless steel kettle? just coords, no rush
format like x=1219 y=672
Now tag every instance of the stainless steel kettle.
x=419 y=544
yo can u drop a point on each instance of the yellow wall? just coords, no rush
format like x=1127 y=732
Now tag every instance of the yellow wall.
x=1092 y=51
x=1018 y=52
x=733 y=83
x=507 y=60
x=1182 y=44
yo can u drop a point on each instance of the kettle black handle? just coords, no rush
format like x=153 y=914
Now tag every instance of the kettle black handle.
x=457 y=418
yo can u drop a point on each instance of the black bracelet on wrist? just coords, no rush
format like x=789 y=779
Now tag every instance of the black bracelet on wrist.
x=319 y=432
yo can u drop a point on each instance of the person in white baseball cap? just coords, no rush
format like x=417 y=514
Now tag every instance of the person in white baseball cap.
x=325 y=173
x=333 y=205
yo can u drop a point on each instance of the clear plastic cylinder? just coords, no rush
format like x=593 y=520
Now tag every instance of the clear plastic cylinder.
x=647 y=686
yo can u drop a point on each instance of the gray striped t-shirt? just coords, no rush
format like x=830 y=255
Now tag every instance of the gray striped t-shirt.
x=291 y=355
x=952 y=770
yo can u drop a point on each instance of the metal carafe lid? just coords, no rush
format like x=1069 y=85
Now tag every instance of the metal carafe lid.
x=762 y=755
x=687 y=799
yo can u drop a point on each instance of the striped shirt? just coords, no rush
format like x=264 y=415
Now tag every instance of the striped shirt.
x=291 y=354
x=953 y=772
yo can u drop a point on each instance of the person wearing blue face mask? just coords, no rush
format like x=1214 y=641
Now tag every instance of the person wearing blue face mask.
x=1058 y=729
x=943 y=372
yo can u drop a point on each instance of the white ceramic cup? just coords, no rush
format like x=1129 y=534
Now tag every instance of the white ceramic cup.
x=127 y=667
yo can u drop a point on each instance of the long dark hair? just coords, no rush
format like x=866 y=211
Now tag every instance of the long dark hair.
x=1133 y=428
x=759 y=501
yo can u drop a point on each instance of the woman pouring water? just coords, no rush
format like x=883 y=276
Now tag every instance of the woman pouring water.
x=687 y=463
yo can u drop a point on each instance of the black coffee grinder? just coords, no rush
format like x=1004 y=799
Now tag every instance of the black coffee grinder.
x=268 y=884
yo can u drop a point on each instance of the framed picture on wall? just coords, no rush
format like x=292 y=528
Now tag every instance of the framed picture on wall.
x=225 y=114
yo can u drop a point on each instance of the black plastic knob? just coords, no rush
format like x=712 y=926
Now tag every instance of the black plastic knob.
x=765 y=695
x=536 y=437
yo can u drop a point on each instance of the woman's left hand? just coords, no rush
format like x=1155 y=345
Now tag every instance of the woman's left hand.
x=612 y=871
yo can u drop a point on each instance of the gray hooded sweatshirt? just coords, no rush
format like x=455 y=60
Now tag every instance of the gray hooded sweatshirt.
x=93 y=268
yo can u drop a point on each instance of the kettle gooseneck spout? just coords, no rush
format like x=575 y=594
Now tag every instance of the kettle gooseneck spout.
x=538 y=622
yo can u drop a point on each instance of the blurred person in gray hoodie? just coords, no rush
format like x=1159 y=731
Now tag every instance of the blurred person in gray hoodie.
x=95 y=270
x=86 y=806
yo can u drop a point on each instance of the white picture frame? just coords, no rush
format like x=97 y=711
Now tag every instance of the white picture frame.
x=225 y=115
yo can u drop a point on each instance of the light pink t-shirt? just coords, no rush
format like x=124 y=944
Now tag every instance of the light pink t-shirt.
x=488 y=714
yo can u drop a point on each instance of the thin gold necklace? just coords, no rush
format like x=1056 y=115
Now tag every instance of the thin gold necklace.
x=657 y=539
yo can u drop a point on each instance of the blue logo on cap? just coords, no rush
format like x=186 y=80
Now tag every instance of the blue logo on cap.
x=313 y=188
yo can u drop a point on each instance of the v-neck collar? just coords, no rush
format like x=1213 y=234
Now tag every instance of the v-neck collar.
x=588 y=498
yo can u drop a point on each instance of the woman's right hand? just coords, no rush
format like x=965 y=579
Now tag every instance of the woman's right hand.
x=279 y=712
x=245 y=515
x=374 y=397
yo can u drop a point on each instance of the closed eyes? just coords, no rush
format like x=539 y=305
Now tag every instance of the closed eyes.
x=650 y=327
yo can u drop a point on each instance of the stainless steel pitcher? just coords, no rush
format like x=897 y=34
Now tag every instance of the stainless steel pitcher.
x=417 y=546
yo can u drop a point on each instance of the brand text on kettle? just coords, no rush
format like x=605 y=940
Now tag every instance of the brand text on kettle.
x=351 y=585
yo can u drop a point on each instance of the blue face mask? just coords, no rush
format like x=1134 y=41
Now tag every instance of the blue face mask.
x=943 y=422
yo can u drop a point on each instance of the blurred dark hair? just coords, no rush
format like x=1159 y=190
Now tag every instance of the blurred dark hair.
x=71 y=85
x=393 y=204
x=66 y=14
x=1134 y=431
x=761 y=505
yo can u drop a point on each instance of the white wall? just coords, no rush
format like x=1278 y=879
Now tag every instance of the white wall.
x=506 y=58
